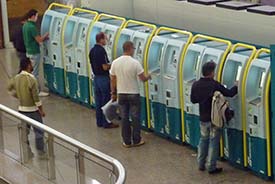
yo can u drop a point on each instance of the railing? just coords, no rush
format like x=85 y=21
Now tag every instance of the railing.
x=3 y=180
x=12 y=128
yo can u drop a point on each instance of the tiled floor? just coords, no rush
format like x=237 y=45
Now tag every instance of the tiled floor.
x=158 y=162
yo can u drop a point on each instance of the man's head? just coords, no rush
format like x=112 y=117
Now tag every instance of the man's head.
x=128 y=48
x=101 y=39
x=26 y=65
x=208 y=69
x=32 y=15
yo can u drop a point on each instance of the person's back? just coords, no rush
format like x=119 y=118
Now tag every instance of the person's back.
x=26 y=91
x=202 y=92
x=29 y=33
x=127 y=71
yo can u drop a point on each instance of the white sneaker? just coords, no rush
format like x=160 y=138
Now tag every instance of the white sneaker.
x=43 y=94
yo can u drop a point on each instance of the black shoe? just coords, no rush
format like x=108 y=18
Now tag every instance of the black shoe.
x=141 y=142
x=111 y=125
x=202 y=168
x=215 y=171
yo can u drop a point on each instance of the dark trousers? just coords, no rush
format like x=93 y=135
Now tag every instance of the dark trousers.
x=102 y=96
x=130 y=108
x=39 y=134
x=21 y=55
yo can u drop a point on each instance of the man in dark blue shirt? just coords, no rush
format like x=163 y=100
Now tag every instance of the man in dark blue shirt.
x=101 y=66
x=202 y=92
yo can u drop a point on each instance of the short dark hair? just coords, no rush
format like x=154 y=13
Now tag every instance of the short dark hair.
x=127 y=46
x=208 y=68
x=24 y=63
x=99 y=36
x=31 y=13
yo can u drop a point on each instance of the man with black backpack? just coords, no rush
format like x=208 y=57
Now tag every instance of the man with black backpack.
x=18 y=40
x=202 y=92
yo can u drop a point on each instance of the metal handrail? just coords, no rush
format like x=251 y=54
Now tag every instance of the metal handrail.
x=119 y=170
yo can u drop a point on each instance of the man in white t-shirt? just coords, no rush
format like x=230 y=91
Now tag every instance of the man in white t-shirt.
x=125 y=72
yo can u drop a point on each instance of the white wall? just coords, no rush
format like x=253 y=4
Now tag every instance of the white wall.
x=238 y=25
x=123 y=8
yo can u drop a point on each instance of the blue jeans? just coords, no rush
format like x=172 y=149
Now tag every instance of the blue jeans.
x=130 y=107
x=39 y=134
x=35 y=59
x=208 y=147
x=102 y=96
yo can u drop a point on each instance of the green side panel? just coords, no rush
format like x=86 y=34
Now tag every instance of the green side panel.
x=192 y=129
x=83 y=91
x=143 y=116
x=59 y=81
x=233 y=146
x=174 y=130
x=71 y=88
x=257 y=155
x=48 y=75
x=158 y=117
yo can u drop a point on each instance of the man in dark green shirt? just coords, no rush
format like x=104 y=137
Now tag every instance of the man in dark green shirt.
x=32 y=41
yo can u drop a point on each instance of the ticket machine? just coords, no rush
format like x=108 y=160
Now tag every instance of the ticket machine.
x=233 y=71
x=110 y=25
x=255 y=99
x=140 y=34
x=75 y=37
x=157 y=49
x=201 y=50
x=52 y=23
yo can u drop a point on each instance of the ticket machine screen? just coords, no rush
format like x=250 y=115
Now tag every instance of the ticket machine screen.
x=208 y=58
x=155 y=55
x=69 y=31
x=46 y=24
x=93 y=34
x=122 y=39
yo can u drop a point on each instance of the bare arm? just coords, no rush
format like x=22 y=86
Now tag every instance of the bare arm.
x=106 y=67
x=41 y=39
x=144 y=77
x=40 y=109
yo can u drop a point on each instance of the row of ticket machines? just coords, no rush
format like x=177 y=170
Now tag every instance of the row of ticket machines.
x=174 y=58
